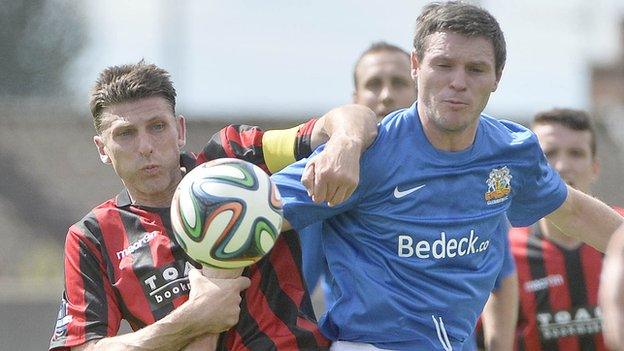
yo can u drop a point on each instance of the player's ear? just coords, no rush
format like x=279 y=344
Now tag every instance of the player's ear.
x=101 y=148
x=499 y=74
x=415 y=63
x=181 y=126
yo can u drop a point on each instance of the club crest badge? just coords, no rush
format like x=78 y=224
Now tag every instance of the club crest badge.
x=499 y=185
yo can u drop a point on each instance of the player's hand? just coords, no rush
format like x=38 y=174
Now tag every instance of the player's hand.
x=611 y=294
x=216 y=301
x=333 y=174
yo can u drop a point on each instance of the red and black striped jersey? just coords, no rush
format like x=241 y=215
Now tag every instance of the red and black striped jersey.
x=122 y=262
x=558 y=294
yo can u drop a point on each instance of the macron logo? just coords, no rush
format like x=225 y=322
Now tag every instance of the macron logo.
x=402 y=193
x=146 y=238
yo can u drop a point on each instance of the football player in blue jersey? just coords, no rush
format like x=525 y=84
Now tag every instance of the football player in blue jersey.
x=382 y=81
x=416 y=249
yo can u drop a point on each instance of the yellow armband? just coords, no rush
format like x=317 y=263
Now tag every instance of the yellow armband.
x=278 y=148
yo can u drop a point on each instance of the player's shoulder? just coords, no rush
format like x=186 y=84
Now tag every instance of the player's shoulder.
x=510 y=138
x=397 y=119
x=395 y=128
x=511 y=131
x=92 y=219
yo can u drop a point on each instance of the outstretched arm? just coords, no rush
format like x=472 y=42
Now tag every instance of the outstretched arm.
x=586 y=218
x=611 y=293
x=348 y=130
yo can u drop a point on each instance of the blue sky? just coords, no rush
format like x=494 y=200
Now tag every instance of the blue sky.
x=292 y=57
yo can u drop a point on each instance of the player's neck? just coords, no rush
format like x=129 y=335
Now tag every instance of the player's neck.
x=446 y=140
x=555 y=235
x=155 y=200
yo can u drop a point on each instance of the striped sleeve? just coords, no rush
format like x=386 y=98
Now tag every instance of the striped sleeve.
x=271 y=151
x=88 y=308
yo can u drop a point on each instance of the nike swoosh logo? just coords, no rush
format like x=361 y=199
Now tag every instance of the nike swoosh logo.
x=399 y=194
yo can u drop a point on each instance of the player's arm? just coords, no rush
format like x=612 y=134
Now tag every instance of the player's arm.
x=212 y=307
x=353 y=126
x=611 y=294
x=348 y=130
x=333 y=175
x=500 y=315
x=586 y=218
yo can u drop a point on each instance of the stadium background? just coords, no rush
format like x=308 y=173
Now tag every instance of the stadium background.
x=235 y=62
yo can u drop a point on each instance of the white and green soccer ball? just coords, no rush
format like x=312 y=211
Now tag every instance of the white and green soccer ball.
x=226 y=213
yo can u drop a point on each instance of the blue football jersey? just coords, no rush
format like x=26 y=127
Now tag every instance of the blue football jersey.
x=416 y=250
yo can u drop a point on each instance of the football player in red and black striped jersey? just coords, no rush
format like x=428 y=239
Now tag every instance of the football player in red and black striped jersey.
x=559 y=275
x=121 y=261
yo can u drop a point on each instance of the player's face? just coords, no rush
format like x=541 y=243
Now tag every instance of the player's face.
x=569 y=152
x=384 y=82
x=142 y=141
x=455 y=79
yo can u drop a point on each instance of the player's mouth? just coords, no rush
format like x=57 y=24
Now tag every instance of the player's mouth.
x=150 y=169
x=455 y=103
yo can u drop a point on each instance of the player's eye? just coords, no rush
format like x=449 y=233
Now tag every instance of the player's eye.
x=124 y=133
x=158 y=126
x=400 y=83
x=577 y=153
x=373 y=84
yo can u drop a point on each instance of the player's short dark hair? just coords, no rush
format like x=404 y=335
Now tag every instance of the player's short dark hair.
x=378 y=46
x=461 y=18
x=124 y=83
x=578 y=120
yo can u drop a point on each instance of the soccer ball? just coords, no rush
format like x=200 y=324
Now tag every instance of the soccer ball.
x=226 y=213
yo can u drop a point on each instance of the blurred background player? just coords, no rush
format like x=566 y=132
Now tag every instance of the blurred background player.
x=559 y=275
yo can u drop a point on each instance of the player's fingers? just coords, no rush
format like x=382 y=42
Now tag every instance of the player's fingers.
x=195 y=277
x=307 y=177
x=319 y=191
x=242 y=283
x=338 y=197
x=331 y=193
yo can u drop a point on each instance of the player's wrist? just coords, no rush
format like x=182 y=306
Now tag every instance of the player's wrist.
x=349 y=143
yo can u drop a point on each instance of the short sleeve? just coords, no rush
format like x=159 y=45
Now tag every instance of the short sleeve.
x=235 y=141
x=88 y=308
x=541 y=192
